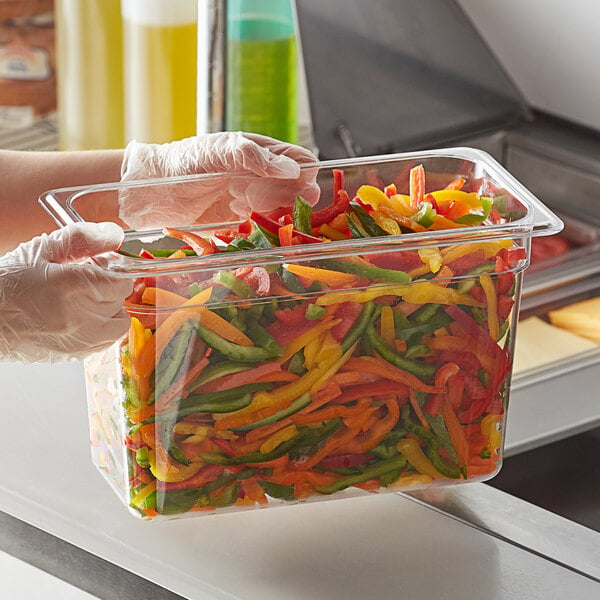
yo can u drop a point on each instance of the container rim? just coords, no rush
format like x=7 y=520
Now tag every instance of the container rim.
x=538 y=220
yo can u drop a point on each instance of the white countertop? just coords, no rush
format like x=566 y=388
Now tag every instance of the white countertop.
x=370 y=547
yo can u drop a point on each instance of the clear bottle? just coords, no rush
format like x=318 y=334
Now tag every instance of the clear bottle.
x=262 y=68
x=89 y=74
x=160 y=51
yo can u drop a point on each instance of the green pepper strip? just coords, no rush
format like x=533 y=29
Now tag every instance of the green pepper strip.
x=370 y=272
x=452 y=471
x=261 y=337
x=237 y=286
x=221 y=402
x=170 y=502
x=464 y=285
x=296 y=406
x=367 y=314
x=371 y=472
x=421 y=370
x=301 y=215
x=314 y=438
x=259 y=239
x=231 y=350
x=368 y=223
x=278 y=490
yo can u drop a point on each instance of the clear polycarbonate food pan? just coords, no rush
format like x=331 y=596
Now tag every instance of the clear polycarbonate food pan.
x=363 y=345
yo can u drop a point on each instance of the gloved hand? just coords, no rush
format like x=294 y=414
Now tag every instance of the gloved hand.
x=270 y=178
x=55 y=307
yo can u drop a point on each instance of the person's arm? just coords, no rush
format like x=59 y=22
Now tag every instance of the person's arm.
x=26 y=175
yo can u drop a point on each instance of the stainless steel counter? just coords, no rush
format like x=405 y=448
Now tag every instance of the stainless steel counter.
x=466 y=541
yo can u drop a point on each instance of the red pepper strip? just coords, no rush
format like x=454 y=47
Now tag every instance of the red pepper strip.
x=473 y=329
x=228 y=382
x=343 y=461
x=199 y=244
x=456 y=386
x=379 y=366
x=348 y=313
x=145 y=254
x=390 y=190
x=513 y=255
x=433 y=405
x=338 y=182
x=369 y=390
x=417 y=185
x=265 y=222
x=245 y=227
x=444 y=373
x=257 y=278
x=504 y=280
x=206 y=474
x=339 y=206
x=224 y=445
x=177 y=388
x=378 y=431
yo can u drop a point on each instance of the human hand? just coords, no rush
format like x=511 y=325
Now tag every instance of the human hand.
x=55 y=307
x=270 y=178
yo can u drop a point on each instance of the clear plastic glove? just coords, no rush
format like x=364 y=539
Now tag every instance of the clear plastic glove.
x=55 y=307
x=271 y=178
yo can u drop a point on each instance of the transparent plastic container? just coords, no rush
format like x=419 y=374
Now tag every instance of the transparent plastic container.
x=278 y=375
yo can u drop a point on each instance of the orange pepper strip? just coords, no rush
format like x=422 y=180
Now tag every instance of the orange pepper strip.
x=417 y=185
x=456 y=432
x=456 y=184
x=401 y=219
x=334 y=279
x=162 y=298
x=379 y=430
x=339 y=438
x=447 y=342
x=164 y=401
x=331 y=412
x=379 y=366
x=418 y=411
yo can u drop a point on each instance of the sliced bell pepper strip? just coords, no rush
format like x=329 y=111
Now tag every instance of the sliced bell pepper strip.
x=326 y=276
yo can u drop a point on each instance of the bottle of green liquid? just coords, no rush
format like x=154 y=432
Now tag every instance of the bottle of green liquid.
x=261 y=69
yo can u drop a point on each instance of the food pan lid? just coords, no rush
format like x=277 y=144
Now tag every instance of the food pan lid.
x=399 y=75
x=532 y=218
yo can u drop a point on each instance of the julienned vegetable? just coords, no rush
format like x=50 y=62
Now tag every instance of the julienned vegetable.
x=291 y=380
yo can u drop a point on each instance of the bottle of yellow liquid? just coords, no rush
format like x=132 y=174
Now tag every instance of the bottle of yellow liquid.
x=262 y=68
x=89 y=74
x=160 y=50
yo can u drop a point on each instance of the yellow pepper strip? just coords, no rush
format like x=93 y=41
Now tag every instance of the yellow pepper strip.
x=411 y=450
x=411 y=480
x=265 y=404
x=331 y=233
x=388 y=331
x=331 y=278
x=329 y=349
x=432 y=258
x=164 y=468
x=492 y=305
x=451 y=253
x=388 y=225
x=139 y=499
x=137 y=339
x=371 y=195
x=401 y=204
x=185 y=428
x=489 y=428
x=277 y=438
x=308 y=336
x=311 y=351
x=331 y=369
x=417 y=293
